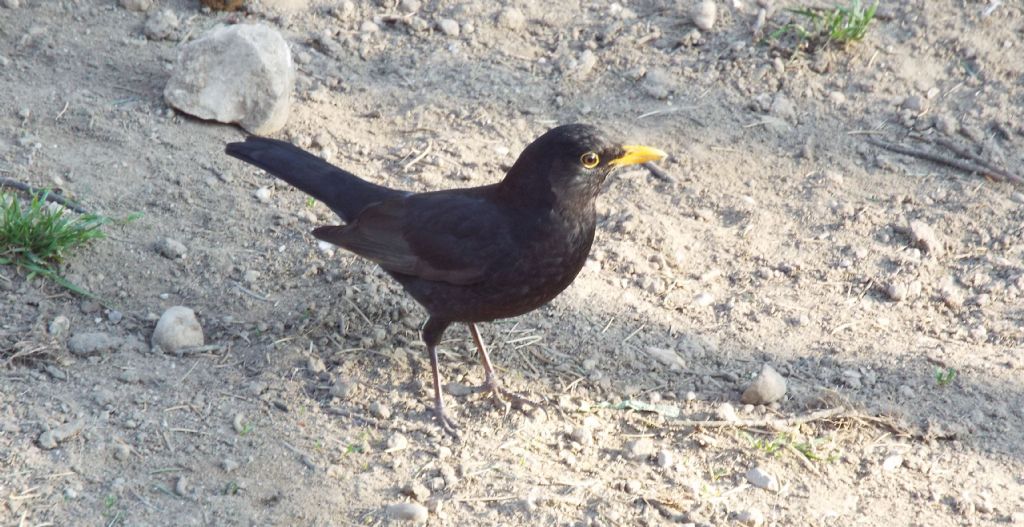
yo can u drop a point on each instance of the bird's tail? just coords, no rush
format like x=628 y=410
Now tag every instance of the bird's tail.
x=345 y=193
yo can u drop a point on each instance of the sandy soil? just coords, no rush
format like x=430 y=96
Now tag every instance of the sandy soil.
x=782 y=238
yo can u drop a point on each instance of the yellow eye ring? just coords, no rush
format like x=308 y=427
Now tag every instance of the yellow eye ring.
x=590 y=160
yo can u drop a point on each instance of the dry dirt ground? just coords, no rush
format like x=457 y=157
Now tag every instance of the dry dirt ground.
x=781 y=238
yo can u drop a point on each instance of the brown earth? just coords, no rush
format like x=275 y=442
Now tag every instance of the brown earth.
x=783 y=238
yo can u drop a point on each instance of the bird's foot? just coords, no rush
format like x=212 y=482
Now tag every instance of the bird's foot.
x=505 y=397
x=447 y=423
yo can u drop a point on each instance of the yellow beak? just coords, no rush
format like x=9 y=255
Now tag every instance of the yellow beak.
x=635 y=154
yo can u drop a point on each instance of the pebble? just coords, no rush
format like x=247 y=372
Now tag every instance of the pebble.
x=726 y=412
x=229 y=465
x=115 y=316
x=171 y=248
x=240 y=73
x=137 y=5
x=584 y=64
x=582 y=435
x=250 y=276
x=703 y=15
x=665 y=459
x=892 y=463
x=925 y=238
x=704 y=299
x=784 y=108
x=767 y=388
x=667 y=357
x=896 y=291
x=409 y=6
x=751 y=517
x=160 y=25
x=59 y=326
x=238 y=423
x=368 y=27
x=12 y=4
x=397 y=442
x=263 y=194
x=181 y=486
x=121 y=451
x=380 y=410
x=511 y=18
x=762 y=480
x=315 y=365
x=53 y=437
x=641 y=448
x=657 y=83
x=93 y=343
x=913 y=103
x=343 y=389
x=411 y=512
x=837 y=98
x=448 y=27
x=177 y=328
x=416 y=491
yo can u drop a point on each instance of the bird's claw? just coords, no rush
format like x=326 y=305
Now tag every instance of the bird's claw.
x=506 y=397
x=447 y=423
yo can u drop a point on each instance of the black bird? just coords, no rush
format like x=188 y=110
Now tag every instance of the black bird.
x=470 y=254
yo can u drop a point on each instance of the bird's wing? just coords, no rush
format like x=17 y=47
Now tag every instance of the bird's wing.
x=446 y=237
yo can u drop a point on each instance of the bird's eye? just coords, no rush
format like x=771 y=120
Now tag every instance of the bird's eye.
x=590 y=160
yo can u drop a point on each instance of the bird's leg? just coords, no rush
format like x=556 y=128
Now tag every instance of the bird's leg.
x=432 y=332
x=491 y=379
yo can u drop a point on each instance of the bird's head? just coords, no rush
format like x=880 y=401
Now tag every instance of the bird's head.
x=572 y=162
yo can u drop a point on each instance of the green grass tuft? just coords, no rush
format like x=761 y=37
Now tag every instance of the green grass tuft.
x=38 y=237
x=841 y=25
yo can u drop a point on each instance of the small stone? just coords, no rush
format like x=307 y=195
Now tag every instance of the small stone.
x=12 y=4
x=160 y=25
x=380 y=410
x=448 y=27
x=368 y=27
x=177 y=328
x=704 y=299
x=397 y=442
x=837 y=98
x=751 y=517
x=906 y=392
x=250 y=276
x=241 y=73
x=263 y=194
x=783 y=107
x=239 y=423
x=115 y=316
x=409 y=6
x=410 y=512
x=584 y=64
x=896 y=291
x=511 y=18
x=181 y=486
x=657 y=83
x=582 y=435
x=121 y=451
x=726 y=412
x=762 y=480
x=767 y=388
x=228 y=465
x=171 y=248
x=343 y=389
x=925 y=238
x=632 y=486
x=665 y=459
x=913 y=103
x=59 y=326
x=137 y=5
x=416 y=491
x=93 y=343
x=892 y=463
x=703 y=15
x=667 y=357
x=53 y=437
x=639 y=449
x=315 y=365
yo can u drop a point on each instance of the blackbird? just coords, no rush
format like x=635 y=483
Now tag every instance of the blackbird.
x=470 y=254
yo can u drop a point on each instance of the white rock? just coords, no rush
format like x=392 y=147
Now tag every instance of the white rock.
x=703 y=15
x=751 y=517
x=137 y=5
x=892 y=463
x=177 y=328
x=584 y=64
x=263 y=194
x=59 y=326
x=235 y=74
x=762 y=480
x=12 y=4
x=726 y=412
x=171 y=248
x=667 y=357
x=448 y=27
x=511 y=18
x=160 y=25
x=925 y=238
x=86 y=344
x=410 y=512
x=767 y=388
